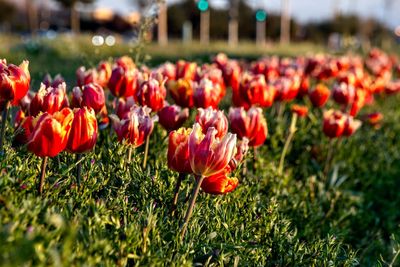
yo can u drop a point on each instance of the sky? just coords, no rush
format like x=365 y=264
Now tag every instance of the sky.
x=302 y=10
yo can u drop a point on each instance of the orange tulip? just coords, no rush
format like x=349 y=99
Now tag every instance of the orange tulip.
x=178 y=150
x=50 y=133
x=182 y=92
x=185 y=70
x=220 y=183
x=212 y=118
x=300 y=110
x=83 y=133
x=319 y=95
x=209 y=155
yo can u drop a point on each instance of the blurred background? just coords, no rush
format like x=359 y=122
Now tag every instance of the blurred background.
x=334 y=23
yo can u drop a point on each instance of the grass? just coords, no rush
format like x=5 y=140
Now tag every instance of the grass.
x=121 y=215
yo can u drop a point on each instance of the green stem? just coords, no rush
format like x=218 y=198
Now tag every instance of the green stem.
x=292 y=131
x=130 y=154
x=42 y=175
x=176 y=192
x=146 y=151
x=3 y=125
x=78 y=170
x=191 y=206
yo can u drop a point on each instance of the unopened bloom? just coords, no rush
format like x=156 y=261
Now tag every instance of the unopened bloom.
x=178 y=150
x=220 y=183
x=49 y=100
x=185 y=70
x=343 y=93
x=250 y=124
x=319 y=95
x=300 y=110
x=123 y=82
x=334 y=123
x=374 y=118
x=83 y=133
x=209 y=155
x=135 y=127
x=151 y=93
x=206 y=94
x=212 y=118
x=50 y=133
x=89 y=95
x=172 y=117
x=123 y=106
x=182 y=92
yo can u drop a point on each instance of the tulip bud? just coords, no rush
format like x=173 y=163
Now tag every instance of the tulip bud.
x=343 y=93
x=135 y=127
x=103 y=73
x=359 y=101
x=209 y=155
x=185 y=70
x=123 y=107
x=334 y=123
x=83 y=133
x=91 y=95
x=212 y=118
x=300 y=110
x=126 y=62
x=50 y=133
x=250 y=124
x=287 y=88
x=242 y=148
x=172 y=117
x=206 y=94
x=319 y=95
x=374 y=119
x=49 y=100
x=84 y=76
x=178 y=150
x=182 y=92
x=168 y=71
x=123 y=82
x=152 y=94
x=48 y=81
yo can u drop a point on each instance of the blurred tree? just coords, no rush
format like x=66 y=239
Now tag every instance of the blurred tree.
x=75 y=19
x=6 y=11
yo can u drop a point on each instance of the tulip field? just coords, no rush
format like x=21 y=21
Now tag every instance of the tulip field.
x=227 y=161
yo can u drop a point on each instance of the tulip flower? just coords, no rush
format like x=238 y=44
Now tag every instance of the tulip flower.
x=319 y=95
x=220 y=183
x=168 y=71
x=209 y=117
x=151 y=93
x=14 y=84
x=287 y=88
x=49 y=100
x=84 y=76
x=250 y=124
x=172 y=117
x=374 y=119
x=83 y=135
x=182 y=92
x=134 y=128
x=23 y=131
x=126 y=62
x=90 y=95
x=343 y=93
x=49 y=137
x=178 y=158
x=123 y=82
x=206 y=94
x=48 y=81
x=185 y=70
x=359 y=101
x=208 y=155
x=103 y=73
x=300 y=110
x=334 y=123
x=123 y=107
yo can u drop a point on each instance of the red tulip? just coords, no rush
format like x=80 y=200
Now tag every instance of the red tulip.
x=182 y=92
x=334 y=123
x=300 y=110
x=206 y=94
x=123 y=82
x=250 y=124
x=50 y=133
x=126 y=62
x=319 y=95
x=359 y=101
x=287 y=88
x=343 y=93
x=185 y=70
x=374 y=118
x=220 y=183
x=351 y=126
x=49 y=100
x=209 y=155
x=212 y=118
x=83 y=133
x=103 y=73
x=172 y=117
x=84 y=76
x=14 y=81
x=152 y=94
x=253 y=90
x=135 y=127
x=23 y=131
x=178 y=151
x=90 y=95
